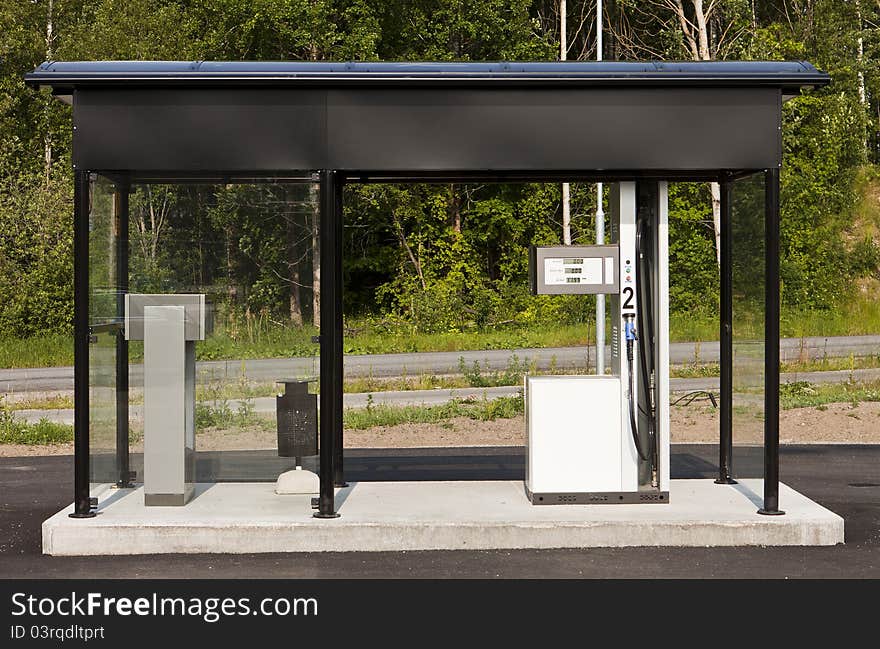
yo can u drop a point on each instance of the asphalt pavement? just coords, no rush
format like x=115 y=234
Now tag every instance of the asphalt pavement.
x=844 y=478
x=394 y=365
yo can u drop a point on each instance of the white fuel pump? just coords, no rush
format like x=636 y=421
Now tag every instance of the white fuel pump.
x=605 y=439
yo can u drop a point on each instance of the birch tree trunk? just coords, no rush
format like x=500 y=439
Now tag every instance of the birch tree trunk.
x=860 y=56
x=566 y=188
x=231 y=289
x=705 y=55
x=316 y=253
x=696 y=35
x=566 y=214
x=314 y=202
x=293 y=260
x=716 y=219
x=454 y=211
x=47 y=136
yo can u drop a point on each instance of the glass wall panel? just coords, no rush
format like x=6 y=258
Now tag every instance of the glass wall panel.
x=747 y=242
x=251 y=251
x=103 y=291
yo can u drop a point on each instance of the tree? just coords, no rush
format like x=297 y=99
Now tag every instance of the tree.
x=150 y=210
x=704 y=31
x=436 y=257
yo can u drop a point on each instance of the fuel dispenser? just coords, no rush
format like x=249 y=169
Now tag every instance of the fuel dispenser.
x=605 y=439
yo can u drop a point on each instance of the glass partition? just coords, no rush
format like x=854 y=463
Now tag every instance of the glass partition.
x=251 y=250
x=749 y=289
x=103 y=323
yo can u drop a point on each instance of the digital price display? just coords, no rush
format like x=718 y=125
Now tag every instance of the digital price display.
x=574 y=270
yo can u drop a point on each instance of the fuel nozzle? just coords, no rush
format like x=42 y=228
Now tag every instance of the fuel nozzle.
x=629 y=332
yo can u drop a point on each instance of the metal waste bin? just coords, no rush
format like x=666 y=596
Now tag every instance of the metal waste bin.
x=297 y=413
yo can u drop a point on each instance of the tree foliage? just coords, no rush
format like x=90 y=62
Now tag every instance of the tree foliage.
x=435 y=257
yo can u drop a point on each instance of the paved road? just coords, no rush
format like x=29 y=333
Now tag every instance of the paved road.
x=266 y=405
x=389 y=365
x=846 y=479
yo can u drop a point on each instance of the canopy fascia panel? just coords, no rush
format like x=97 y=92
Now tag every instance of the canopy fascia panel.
x=427 y=130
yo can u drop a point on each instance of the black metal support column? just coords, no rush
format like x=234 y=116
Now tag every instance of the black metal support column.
x=331 y=339
x=124 y=478
x=725 y=443
x=82 y=506
x=771 y=344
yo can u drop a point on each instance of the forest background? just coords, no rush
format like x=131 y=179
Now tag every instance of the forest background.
x=431 y=266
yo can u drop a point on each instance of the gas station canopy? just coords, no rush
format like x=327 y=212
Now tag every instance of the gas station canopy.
x=397 y=119
x=338 y=123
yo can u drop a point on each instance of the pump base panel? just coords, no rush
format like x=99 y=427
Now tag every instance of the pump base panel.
x=248 y=517
x=169 y=500
x=600 y=498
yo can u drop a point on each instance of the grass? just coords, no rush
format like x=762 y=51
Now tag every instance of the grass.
x=829 y=364
x=404 y=383
x=214 y=411
x=51 y=402
x=688 y=327
x=14 y=430
x=43 y=351
x=269 y=342
x=792 y=395
x=856 y=317
x=368 y=341
x=694 y=371
x=801 y=394
x=385 y=415
x=218 y=392
x=474 y=375
x=286 y=342
x=219 y=414
x=851 y=363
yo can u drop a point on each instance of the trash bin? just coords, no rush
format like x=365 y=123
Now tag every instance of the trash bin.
x=297 y=414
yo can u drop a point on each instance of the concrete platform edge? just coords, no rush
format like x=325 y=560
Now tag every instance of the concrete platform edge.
x=811 y=525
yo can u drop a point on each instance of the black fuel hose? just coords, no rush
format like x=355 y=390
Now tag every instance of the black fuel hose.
x=646 y=324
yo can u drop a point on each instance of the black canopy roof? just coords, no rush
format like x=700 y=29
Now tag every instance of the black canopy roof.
x=790 y=76
x=376 y=119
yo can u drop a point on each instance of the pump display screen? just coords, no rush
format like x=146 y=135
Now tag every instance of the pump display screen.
x=573 y=270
